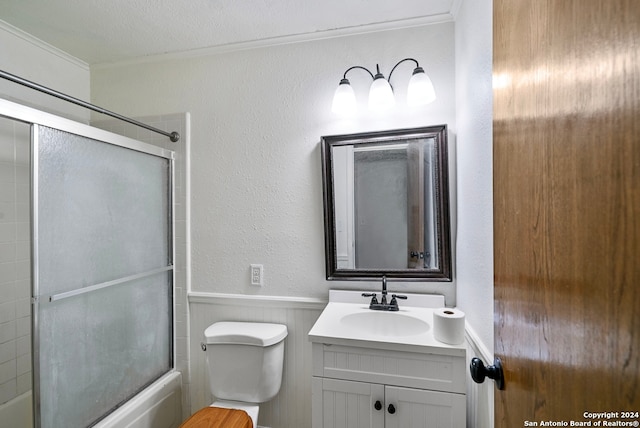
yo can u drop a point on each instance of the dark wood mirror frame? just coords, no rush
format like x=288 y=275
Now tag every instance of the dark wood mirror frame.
x=443 y=272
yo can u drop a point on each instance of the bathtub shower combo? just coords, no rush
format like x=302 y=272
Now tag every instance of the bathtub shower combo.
x=88 y=226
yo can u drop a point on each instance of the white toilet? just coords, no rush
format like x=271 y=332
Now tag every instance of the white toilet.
x=245 y=361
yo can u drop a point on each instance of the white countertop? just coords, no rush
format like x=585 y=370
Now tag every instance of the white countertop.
x=331 y=328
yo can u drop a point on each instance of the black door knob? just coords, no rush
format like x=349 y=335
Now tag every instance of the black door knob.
x=377 y=405
x=391 y=409
x=479 y=371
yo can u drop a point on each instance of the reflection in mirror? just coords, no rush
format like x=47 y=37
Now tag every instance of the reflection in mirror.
x=386 y=202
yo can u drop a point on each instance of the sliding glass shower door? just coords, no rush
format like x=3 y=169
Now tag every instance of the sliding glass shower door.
x=102 y=273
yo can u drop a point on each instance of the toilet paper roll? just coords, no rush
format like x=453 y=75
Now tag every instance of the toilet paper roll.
x=448 y=325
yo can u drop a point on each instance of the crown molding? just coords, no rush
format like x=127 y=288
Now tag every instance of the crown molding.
x=16 y=32
x=282 y=40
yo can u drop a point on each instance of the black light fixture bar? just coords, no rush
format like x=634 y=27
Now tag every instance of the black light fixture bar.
x=419 y=92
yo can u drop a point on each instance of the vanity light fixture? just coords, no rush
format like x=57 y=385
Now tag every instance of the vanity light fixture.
x=419 y=92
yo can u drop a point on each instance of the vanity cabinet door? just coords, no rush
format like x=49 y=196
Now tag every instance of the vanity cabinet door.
x=417 y=408
x=351 y=404
x=346 y=404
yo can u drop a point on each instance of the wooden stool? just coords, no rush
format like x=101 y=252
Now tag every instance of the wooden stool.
x=218 y=417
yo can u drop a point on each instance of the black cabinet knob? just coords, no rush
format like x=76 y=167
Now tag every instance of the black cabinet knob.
x=479 y=371
x=391 y=409
x=377 y=405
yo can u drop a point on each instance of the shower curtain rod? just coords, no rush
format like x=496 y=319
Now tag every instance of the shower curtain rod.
x=173 y=136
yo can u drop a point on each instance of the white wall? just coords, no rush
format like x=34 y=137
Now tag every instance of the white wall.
x=257 y=117
x=34 y=60
x=474 y=162
x=474 y=107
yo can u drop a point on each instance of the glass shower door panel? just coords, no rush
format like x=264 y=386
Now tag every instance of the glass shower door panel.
x=104 y=276
x=98 y=349
x=103 y=211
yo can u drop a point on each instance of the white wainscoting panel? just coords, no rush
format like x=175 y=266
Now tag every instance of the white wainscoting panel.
x=479 y=395
x=291 y=408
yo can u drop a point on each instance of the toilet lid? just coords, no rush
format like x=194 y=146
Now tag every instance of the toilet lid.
x=218 y=417
x=245 y=333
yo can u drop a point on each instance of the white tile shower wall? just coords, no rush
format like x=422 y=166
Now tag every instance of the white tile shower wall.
x=170 y=123
x=15 y=274
x=291 y=408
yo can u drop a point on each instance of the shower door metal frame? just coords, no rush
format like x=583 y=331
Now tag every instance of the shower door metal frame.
x=38 y=118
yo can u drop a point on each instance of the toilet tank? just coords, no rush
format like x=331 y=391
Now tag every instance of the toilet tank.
x=245 y=360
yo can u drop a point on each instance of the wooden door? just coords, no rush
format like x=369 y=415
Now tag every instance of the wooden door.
x=567 y=208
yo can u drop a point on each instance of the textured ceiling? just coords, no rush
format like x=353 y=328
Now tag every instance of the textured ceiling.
x=99 y=31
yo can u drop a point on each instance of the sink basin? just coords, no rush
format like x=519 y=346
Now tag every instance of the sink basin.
x=347 y=321
x=384 y=323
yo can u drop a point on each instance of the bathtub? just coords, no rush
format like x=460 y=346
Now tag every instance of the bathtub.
x=17 y=413
x=158 y=406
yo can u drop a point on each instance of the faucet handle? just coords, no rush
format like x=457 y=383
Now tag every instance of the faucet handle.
x=374 y=298
x=394 y=302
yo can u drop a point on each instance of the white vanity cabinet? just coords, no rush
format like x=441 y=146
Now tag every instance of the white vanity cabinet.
x=376 y=369
x=357 y=387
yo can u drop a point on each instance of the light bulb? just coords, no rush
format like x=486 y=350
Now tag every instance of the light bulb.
x=344 y=99
x=420 y=90
x=380 y=94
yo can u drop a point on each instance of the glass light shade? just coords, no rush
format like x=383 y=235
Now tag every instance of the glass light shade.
x=381 y=95
x=420 y=91
x=344 y=99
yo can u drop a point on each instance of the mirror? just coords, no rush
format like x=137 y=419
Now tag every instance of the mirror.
x=386 y=205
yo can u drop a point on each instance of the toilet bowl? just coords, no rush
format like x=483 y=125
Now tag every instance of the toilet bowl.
x=244 y=361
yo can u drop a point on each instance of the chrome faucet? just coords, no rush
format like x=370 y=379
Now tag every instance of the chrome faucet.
x=383 y=305
x=383 y=300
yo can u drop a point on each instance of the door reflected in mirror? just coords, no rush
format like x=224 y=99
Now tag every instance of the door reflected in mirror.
x=386 y=202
